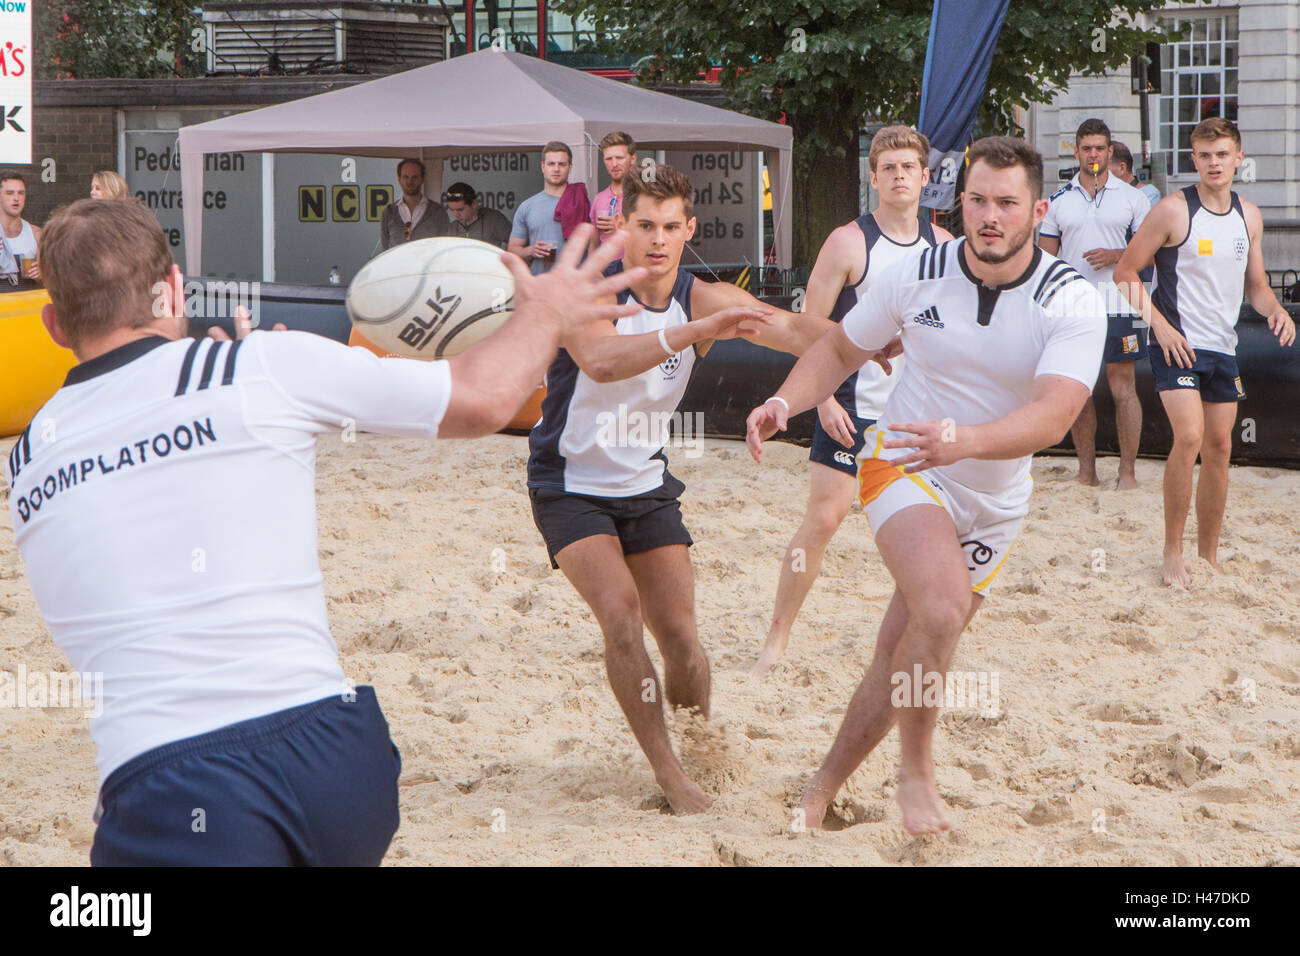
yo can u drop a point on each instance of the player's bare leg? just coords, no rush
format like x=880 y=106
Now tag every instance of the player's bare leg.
x=1212 y=485
x=1084 y=433
x=931 y=607
x=831 y=495
x=1122 y=378
x=597 y=569
x=1183 y=406
x=666 y=584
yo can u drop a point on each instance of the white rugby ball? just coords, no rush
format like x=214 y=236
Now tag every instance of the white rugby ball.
x=431 y=298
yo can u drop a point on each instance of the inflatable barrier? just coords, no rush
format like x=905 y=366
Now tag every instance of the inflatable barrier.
x=738 y=375
x=32 y=367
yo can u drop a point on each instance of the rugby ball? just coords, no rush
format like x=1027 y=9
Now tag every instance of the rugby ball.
x=431 y=298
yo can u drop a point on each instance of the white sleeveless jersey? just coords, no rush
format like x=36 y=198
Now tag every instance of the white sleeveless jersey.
x=863 y=394
x=974 y=351
x=607 y=439
x=1202 y=280
x=164 y=505
x=23 y=244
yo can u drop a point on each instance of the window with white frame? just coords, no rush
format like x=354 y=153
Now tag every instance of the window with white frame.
x=1198 y=80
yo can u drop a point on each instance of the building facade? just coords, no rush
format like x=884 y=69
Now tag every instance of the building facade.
x=1239 y=59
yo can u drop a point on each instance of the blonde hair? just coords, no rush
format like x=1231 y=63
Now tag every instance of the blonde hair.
x=1216 y=127
x=101 y=261
x=111 y=184
x=899 y=137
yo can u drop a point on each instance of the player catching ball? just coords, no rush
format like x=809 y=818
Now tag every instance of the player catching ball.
x=603 y=497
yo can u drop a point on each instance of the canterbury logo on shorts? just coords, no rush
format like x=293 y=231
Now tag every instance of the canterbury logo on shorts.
x=1188 y=381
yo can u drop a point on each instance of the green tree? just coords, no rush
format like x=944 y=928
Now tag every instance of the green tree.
x=827 y=65
x=91 y=39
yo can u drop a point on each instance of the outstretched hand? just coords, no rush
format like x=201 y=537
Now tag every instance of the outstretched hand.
x=764 y=422
x=572 y=293
x=243 y=326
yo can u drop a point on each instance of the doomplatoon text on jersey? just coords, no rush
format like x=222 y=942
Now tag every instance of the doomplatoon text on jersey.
x=180 y=439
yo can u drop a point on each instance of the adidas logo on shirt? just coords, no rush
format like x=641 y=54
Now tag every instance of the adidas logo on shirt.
x=929 y=317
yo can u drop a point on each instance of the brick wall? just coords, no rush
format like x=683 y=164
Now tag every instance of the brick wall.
x=81 y=140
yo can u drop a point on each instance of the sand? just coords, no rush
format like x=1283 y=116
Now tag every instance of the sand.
x=1135 y=725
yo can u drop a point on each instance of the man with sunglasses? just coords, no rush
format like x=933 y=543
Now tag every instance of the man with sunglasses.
x=470 y=220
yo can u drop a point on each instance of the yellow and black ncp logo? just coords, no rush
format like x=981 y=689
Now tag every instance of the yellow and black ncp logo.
x=343 y=203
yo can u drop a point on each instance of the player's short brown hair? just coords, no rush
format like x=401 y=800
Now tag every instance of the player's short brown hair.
x=617 y=138
x=899 y=137
x=1216 y=127
x=658 y=183
x=101 y=261
x=1003 y=152
x=1092 y=127
x=555 y=146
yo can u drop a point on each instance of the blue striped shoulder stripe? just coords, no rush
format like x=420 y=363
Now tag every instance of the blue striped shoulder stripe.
x=211 y=360
x=934 y=262
x=20 y=454
x=1058 y=275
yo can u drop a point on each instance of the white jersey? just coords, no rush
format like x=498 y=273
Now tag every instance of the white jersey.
x=863 y=393
x=164 y=504
x=1201 y=281
x=973 y=351
x=607 y=439
x=1106 y=221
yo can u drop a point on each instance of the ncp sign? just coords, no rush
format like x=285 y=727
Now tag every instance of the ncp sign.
x=15 y=81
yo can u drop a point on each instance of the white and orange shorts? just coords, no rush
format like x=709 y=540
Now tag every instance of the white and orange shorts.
x=986 y=524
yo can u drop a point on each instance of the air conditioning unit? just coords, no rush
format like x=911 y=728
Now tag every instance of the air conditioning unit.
x=295 y=37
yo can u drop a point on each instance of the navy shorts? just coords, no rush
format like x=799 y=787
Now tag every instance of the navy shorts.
x=314 y=785
x=1214 y=374
x=640 y=523
x=1126 y=339
x=827 y=451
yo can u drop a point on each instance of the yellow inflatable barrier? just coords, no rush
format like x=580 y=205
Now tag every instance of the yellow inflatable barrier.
x=32 y=367
x=527 y=417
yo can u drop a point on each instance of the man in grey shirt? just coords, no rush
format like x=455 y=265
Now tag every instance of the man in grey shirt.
x=537 y=235
x=469 y=220
x=413 y=216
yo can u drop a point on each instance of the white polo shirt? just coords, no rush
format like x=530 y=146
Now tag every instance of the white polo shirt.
x=164 y=504
x=973 y=352
x=1106 y=221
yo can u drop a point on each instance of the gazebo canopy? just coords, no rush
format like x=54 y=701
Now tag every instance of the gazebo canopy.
x=486 y=101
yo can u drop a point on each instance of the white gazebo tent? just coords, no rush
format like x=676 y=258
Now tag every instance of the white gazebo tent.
x=486 y=101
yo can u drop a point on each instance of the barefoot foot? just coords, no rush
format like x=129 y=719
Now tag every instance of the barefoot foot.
x=922 y=808
x=768 y=656
x=813 y=805
x=1176 y=575
x=1126 y=483
x=685 y=796
x=1088 y=479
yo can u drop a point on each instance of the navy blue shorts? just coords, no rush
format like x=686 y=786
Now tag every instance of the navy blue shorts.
x=640 y=522
x=827 y=451
x=1214 y=374
x=314 y=785
x=1126 y=339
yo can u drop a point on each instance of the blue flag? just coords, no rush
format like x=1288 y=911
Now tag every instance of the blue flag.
x=963 y=36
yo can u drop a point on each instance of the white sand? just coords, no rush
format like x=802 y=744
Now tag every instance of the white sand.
x=1138 y=725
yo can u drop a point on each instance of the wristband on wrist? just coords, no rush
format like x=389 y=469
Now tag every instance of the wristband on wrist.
x=778 y=398
x=663 y=340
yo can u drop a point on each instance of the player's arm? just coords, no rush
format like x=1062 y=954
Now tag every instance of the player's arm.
x=869 y=330
x=1164 y=225
x=491 y=381
x=605 y=356
x=1040 y=424
x=1258 y=292
x=1050 y=244
x=783 y=331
